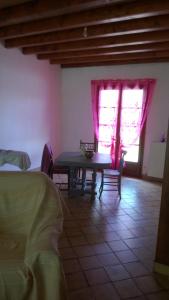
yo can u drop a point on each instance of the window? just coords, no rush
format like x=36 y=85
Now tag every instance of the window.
x=130 y=116
x=108 y=108
x=120 y=108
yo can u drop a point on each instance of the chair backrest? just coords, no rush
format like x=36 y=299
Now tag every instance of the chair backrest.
x=87 y=146
x=121 y=165
x=47 y=160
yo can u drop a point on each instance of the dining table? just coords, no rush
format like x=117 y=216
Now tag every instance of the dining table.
x=76 y=161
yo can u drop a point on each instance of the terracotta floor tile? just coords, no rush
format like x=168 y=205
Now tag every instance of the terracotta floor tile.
x=113 y=242
x=96 y=276
x=126 y=256
x=118 y=227
x=101 y=248
x=143 y=253
x=125 y=234
x=127 y=289
x=134 y=242
x=90 y=229
x=90 y=262
x=85 y=222
x=99 y=220
x=138 y=231
x=85 y=250
x=111 y=236
x=72 y=232
x=147 y=284
x=138 y=298
x=71 y=266
x=76 y=281
x=82 y=294
x=70 y=224
x=67 y=253
x=148 y=264
x=118 y=245
x=158 y=296
x=94 y=238
x=117 y=272
x=136 y=269
x=104 y=228
x=78 y=240
x=108 y=259
x=105 y=292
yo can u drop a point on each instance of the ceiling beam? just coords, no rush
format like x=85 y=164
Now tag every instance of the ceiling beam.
x=104 y=58
x=113 y=29
x=106 y=51
x=117 y=62
x=7 y=3
x=128 y=40
x=107 y=14
x=39 y=9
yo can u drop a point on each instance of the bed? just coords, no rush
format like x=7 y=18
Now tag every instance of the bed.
x=30 y=223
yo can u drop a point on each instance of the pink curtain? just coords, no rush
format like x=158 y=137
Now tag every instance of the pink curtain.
x=117 y=139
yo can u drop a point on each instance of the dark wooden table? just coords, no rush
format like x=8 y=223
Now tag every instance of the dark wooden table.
x=75 y=160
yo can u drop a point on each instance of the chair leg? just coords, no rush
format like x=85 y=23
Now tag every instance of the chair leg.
x=101 y=182
x=119 y=187
x=101 y=185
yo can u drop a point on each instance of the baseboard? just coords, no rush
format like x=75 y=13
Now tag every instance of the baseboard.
x=150 y=178
x=162 y=269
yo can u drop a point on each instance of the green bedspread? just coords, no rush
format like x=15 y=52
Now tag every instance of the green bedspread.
x=30 y=222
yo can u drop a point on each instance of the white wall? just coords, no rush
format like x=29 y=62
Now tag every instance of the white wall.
x=76 y=105
x=29 y=104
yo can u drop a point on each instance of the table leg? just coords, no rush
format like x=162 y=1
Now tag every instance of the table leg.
x=83 y=180
x=73 y=179
x=93 y=187
x=73 y=182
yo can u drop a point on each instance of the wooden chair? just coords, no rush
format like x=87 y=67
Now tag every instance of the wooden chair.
x=49 y=168
x=112 y=178
x=87 y=146
x=47 y=161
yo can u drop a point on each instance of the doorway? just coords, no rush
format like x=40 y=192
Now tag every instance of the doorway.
x=120 y=116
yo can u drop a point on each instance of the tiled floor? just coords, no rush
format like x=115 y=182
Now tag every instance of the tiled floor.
x=108 y=246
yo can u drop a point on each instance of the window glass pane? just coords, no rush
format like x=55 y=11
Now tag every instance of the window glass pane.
x=129 y=135
x=132 y=153
x=132 y=98
x=130 y=121
x=107 y=119
x=107 y=115
x=109 y=98
x=105 y=133
x=130 y=117
x=103 y=147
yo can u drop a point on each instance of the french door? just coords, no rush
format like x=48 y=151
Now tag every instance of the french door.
x=120 y=120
